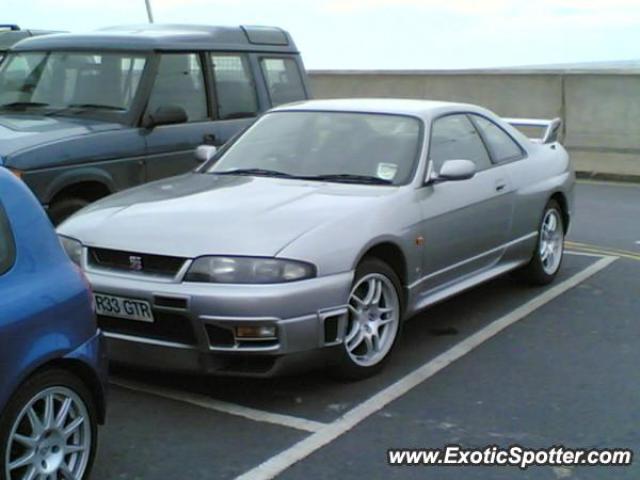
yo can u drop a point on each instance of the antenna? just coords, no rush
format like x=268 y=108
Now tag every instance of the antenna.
x=149 y=12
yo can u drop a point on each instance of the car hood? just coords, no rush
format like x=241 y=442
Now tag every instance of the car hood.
x=20 y=132
x=203 y=214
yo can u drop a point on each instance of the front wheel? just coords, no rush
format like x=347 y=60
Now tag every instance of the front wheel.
x=374 y=321
x=547 y=258
x=48 y=429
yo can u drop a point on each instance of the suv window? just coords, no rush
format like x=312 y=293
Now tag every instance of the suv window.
x=455 y=138
x=64 y=80
x=283 y=80
x=503 y=147
x=180 y=83
x=235 y=87
x=7 y=246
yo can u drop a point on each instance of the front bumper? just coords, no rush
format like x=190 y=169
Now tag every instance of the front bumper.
x=194 y=328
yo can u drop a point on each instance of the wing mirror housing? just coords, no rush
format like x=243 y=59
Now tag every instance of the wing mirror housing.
x=454 y=170
x=204 y=153
x=166 y=115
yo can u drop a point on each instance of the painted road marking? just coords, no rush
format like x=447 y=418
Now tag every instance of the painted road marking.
x=285 y=459
x=219 y=406
x=603 y=251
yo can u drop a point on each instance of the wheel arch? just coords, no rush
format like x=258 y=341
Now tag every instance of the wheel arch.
x=564 y=208
x=85 y=374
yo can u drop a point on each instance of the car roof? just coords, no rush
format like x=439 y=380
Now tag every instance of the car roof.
x=10 y=36
x=425 y=109
x=153 y=37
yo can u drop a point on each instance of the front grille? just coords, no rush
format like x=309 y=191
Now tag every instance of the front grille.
x=158 y=265
x=167 y=326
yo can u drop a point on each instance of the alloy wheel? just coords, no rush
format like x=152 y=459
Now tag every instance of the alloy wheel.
x=551 y=242
x=51 y=438
x=374 y=318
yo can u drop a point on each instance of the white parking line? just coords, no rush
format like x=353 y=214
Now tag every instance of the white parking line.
x=219 y=406
x=330 y=432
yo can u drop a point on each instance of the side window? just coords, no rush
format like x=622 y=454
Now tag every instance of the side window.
x=235 y=87
x=455 y=138
x=7 y=246
x=283 y=80
x=503 y=147
x=180 y=83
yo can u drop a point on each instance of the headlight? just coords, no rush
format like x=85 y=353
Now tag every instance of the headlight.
x=248 y=270
x=73 y=248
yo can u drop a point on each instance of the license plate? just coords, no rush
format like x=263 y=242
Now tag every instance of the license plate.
x=120 y=307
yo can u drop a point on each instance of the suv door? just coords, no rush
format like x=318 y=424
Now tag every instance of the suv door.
x=185 y=80
x=466 y=223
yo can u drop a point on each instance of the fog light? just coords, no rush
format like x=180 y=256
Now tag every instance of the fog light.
x=255 y=332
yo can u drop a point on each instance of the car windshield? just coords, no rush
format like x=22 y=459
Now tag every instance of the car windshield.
x=70 y=83
x=330 y=146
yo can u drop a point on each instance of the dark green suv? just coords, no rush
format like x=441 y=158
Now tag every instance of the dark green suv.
x=86 y=115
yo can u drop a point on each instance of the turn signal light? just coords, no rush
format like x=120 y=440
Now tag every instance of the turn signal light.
x=17 y=173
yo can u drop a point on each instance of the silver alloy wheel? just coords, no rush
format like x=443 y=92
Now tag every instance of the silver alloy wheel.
x=51 y=438
x=374 y=318
x=551 y=242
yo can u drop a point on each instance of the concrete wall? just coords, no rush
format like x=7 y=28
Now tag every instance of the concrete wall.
x=600 y=109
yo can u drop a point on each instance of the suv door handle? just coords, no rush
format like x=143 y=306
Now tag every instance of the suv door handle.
x=500 y=185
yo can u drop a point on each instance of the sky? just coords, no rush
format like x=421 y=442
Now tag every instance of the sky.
x=385 y=34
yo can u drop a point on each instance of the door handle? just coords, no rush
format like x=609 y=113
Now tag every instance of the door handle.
x=500 y=185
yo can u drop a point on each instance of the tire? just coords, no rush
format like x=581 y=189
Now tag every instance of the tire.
x=357 y=356
x=49 y=445
x=541 y=270
x=62 y=209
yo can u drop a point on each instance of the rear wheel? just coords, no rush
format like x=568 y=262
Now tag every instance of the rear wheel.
x=374 y=321
x=49 y=429
x=547 y=258
x=62 y=209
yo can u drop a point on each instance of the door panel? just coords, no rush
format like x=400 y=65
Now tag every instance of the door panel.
x=465 y=223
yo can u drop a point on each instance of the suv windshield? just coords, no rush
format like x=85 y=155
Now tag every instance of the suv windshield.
x=70 y=83
x=327 y=146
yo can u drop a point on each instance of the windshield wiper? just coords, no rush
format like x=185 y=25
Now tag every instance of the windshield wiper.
x=23 y=105
x=260 y=172
x=83 y=107
x=350 y=178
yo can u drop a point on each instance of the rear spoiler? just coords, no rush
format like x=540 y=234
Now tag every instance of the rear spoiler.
x=551 y=127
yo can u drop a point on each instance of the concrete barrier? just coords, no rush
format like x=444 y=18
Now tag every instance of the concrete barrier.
x=600 y=108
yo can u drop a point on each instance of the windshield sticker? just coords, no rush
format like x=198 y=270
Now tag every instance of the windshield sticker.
x=387 y=171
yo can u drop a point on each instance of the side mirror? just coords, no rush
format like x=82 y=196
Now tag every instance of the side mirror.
x=453 y=170
x=167 y=115
x=204 y=153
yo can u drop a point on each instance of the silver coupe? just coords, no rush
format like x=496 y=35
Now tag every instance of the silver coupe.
x=313 y=235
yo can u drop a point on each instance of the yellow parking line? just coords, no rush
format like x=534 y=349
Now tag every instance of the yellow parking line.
x=603 y=250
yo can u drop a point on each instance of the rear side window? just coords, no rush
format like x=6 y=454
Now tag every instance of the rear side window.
x=455 y=138
x=235 y=88
x=7 y=245
x=503 y=147
x=180 y=83
x=284 y=81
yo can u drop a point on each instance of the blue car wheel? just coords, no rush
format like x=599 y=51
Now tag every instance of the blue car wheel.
x=49 y=429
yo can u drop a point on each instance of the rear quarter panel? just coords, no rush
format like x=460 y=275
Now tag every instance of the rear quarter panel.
x=45 y=308
x=546 y=170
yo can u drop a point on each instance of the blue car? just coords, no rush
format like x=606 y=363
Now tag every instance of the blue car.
x=52 y=360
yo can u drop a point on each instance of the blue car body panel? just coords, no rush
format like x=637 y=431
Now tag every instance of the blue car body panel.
x=46 y=309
